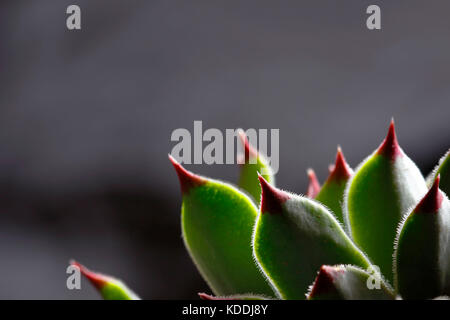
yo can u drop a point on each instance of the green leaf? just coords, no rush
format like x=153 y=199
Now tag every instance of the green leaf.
x=217 y=222
x=442 y=169
x=332 y=192
x=345 y=282
x=383 y=187
x=109 y=287
x=294 y=237
x=205 y=296
x=422 y=251
x=253 y=163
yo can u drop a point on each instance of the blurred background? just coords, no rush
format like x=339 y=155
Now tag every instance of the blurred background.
x=86 y=118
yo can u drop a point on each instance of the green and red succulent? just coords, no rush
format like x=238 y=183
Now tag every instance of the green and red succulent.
x=380 y=232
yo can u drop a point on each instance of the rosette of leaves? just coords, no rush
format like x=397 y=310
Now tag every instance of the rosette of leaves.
x=378 y=232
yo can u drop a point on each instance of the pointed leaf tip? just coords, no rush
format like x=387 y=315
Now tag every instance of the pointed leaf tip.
x=251 y=162
x=249 y=150
x=390 y=147
x=98 y=280
x=271 y=197
x=332 y=192
x=323 y=283
x=187 y=179
x=313 y=186
x=341 y=170
x=205 y=296
x=432 y=201
x=347 y=282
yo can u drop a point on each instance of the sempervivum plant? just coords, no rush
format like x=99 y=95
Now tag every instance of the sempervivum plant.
x=379 y=232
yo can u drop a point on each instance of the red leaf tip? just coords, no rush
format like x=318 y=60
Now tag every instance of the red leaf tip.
x=271 y=197
x=249 y=150
x=390 y=147
x=205 y=296
x=340 y=171
x=324 y=282
x=313 y=186
x=432 y=201
x=187 y=179
x=98 y=280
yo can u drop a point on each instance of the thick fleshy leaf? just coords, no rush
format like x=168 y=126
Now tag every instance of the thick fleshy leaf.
x=313 y=185
x=345 y=282
x=383 y=187
x=205 y=296
x=217 y=222
x=109 y=287
x=252 y=164
x=422 y=253
x=442 y=169
x=332 y=192
x=294 y=236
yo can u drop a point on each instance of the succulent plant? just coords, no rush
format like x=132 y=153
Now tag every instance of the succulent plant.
x=379 y=232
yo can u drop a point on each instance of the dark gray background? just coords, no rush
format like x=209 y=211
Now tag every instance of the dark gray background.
x=86 y=117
